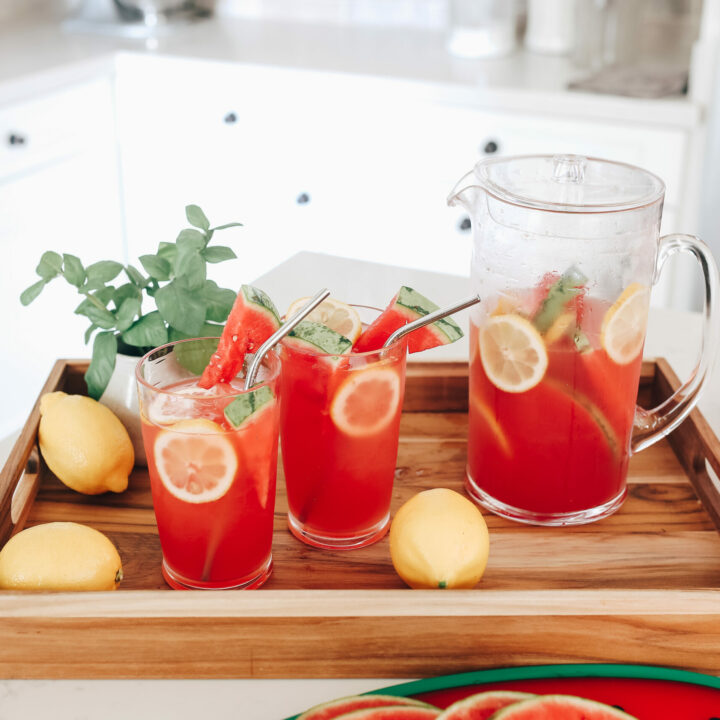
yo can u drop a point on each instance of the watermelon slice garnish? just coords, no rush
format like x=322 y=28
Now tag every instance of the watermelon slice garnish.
x=252 y=320
x=406 y=306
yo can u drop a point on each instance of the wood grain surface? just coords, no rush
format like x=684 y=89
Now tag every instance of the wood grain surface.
x=640 y=586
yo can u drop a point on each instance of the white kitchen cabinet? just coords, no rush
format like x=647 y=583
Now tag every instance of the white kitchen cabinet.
x=373 y=161
x=62 y=195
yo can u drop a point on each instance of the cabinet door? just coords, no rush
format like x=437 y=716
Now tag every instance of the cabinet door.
x=71 y=206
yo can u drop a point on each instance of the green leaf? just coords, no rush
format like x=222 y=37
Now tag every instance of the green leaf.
x=196 y=355
x=29 y=294
x=128 y=290
x=89 y=332
x=218 y=253
x=207 y=330
x=126 y=313
x=180 y=307
x=148 y=331
x=156 y=266
x=100 y=316
x=102 y=364
x=191 y=238
x=193 y=269
x=50 y=265
x=73 y=270
x=167 y=251
x=227 y=225
x=196 y=217
x=102 y=272
x=135 y=276
x=219 y=301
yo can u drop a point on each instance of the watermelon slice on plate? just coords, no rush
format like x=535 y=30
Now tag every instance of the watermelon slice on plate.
x=392 y=713
x=406 y=306
x=252 y=320
x=481 y=706
x=337 y=708
x=560 y=707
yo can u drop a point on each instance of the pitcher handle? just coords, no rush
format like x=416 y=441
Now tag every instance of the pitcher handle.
x=651 y=425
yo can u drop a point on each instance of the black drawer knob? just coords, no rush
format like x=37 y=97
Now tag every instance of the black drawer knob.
x=491 y=147
x=16 y=139
x=464 y=225
x=230 y=118
x=303 y=199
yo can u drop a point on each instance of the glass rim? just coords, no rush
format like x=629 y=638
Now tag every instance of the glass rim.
x=507 y=196
x=367 y=353
x=272 y=354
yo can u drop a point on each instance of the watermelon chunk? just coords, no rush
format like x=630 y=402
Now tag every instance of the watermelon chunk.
x=337 y=708
x=560 y=707
x=481 y=706
x=392 y=713
x=252 y=320
x=406 y=306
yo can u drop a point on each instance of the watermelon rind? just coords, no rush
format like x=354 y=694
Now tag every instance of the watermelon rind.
x=491 y=701
x=262 y=300
x=417 y=305
x=341 y=706
x=246 y=405
x=549 y=705
x=316 y=337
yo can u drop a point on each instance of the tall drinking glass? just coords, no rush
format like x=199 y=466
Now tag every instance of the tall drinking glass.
x=339 y=434
x=566 y=251
x=212 y=459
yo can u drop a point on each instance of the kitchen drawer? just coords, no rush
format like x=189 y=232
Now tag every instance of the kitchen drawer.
x=40 y=131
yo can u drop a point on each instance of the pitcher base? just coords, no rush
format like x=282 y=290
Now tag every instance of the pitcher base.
x=580 y=517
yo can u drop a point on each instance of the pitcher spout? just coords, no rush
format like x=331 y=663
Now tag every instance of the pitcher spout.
x=465 y=192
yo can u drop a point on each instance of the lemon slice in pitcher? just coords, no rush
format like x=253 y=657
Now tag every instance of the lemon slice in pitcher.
x=338 y=316
x=512 y=353
x=623 y=328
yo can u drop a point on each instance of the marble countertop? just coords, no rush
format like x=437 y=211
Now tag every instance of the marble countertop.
x=674 y=335
x=40 y=50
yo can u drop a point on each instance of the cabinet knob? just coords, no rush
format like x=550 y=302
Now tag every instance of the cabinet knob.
x=464 y=225
x=491 y=147
x=230 y=118
x=302 y=199
x=16 y=139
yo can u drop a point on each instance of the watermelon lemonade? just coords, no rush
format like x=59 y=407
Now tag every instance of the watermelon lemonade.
x=212 y=458
x=554 y=375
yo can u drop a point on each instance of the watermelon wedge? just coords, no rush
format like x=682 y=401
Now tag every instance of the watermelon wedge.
x=560 y=707
x=252 y=320
x=406 y=306
x=482 y=705
x=337 y=708
x=392 y=713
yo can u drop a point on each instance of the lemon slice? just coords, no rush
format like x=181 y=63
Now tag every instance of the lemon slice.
x=512 y=353
x=622 y=333
x=367 y=401
x=336 y=315
x=195 y=460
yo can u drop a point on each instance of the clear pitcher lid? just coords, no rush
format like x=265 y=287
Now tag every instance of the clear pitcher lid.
x=568 y=183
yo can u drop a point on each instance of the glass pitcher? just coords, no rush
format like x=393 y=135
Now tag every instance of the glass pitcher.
x=566 y=250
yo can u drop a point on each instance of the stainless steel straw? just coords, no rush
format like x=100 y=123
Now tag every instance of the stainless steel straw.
x=431 y=318
x=278 y=335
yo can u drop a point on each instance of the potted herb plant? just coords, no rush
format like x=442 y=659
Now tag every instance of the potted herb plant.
x=117 y=301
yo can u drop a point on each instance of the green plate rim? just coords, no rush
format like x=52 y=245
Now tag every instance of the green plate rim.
x=539 y=672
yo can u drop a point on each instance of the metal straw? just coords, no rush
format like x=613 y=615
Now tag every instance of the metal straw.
x=431 y=318
x=278 y=335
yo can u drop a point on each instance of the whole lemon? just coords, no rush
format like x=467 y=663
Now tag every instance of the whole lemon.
x=439 y=539
x=60 y=556
x=84 y=443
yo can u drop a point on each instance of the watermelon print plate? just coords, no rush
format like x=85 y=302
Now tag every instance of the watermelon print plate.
x=645 y=691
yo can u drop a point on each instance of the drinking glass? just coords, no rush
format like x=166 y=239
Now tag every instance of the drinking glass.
x=212 y=460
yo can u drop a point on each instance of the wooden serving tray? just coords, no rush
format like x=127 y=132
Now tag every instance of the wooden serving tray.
x=642 y=586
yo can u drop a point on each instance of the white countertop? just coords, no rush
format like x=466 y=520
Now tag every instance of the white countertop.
x=674 y=335
x=39 y=49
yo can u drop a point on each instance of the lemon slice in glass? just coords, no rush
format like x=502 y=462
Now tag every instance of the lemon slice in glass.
x=623 y=328
x=512 y=353
x=338 y=316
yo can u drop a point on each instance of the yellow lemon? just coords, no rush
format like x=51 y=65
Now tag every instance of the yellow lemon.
x=84 y=443
x=439 y=539
x=59 y=556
